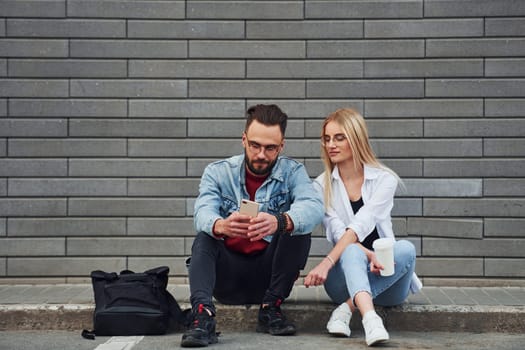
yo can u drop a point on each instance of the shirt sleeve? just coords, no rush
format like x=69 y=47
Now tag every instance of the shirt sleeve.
x=207 y=204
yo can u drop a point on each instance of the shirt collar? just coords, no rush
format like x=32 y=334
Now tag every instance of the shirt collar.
x=369 y=172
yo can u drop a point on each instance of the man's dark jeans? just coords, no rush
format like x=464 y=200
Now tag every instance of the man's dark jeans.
x=234 y=278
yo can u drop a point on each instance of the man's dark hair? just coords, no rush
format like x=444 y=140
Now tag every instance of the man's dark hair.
x=267 y=115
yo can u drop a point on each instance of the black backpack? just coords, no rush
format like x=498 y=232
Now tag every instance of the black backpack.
x=134 y=304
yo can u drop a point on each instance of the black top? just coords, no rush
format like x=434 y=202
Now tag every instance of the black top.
x=367 y=242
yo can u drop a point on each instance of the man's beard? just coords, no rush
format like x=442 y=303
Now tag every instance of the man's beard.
x=259 y=171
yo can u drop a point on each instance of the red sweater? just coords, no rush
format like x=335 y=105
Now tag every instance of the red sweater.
x=243 y=245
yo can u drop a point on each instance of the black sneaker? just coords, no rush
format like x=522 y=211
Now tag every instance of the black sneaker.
x=201 y=331
x=271 y=320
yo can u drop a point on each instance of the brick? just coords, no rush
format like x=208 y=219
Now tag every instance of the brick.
x=3 y=108
x=32 y=246
x=441 y=188
x=364 y=9
x=184 y=148
x=377 y=128
x=495 y=207
x=504 y=187
x=32 y=207
x=186 y=69
x=505 y=67
x=196 y=166
x=65 y=266
x=474 y=167
x=126 y=128
x=11 y=167
x=504 y=268
x=126 y=9
x=127 y=167
x=190 y=205
x=33 y=127
x=305 y=69
x=423 y=68
x=421 y=108
x=504 y=107
x=320 y=246
x=311 y=108
x=128 y=48
x=3 y=266
x=186 y=29
x=177 y=266
x=496 y=227
x=474 y=127
x=258 y=49
x=246 y=88
x=163 y=187
x=475 y=47
x=504 y=27
x=423 y=28
x=406 y=148
x=365 y=49
x=235 y=128
x=332 y=29
x=67 y=68
x=191 y=109
x=487 y=247
x=66 y=227
x=504 y=147
x=37 y=8
x=473 y=8
x=446 y=227
x=66 y=147
x=105 y=246
x=66 y=28
x=450 y=267
x=364 y=88
x=407 y=207
x=33 y=48
x=475 y=88
x=33 y=88
x=67 y=108
x=128 y=88
x=126 y=207
x=67 y=187
x=3 y=68
x=245 y=9
x=160 y=227
x=3 y=187
x=3 y=147
x=3 y=226
x=399 y=226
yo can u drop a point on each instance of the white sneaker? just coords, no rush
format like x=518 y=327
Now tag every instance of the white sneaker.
x=375 y=332
x=339 y=323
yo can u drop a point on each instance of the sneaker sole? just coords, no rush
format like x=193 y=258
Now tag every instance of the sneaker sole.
x=377 y=341
x=285 y=331
x=191 y=342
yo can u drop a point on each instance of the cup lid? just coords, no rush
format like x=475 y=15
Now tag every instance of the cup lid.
x=382 y=243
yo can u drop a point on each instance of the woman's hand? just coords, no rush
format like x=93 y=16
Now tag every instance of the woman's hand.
x=318 y=275
x=375 y=266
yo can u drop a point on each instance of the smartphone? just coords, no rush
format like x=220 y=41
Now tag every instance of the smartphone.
x=249 y=207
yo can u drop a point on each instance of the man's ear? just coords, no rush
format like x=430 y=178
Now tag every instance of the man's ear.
x=282 y=145
x=243 y=140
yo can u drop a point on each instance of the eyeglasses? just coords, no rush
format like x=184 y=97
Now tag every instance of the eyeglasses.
x=269 y=150
x=337 y=139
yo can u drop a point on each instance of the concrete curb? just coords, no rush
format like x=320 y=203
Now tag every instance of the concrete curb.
x=309 y=317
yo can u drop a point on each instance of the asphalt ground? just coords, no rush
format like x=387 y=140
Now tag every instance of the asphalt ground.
x=250 y=340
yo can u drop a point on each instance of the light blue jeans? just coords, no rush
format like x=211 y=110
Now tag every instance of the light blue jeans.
x=351 y=274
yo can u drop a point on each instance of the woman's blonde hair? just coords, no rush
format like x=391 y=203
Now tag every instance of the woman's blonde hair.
x=354 y=128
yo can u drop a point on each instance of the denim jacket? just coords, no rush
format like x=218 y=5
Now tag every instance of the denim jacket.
x=288 y=189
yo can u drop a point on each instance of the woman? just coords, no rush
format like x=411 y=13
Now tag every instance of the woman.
x=359 y=196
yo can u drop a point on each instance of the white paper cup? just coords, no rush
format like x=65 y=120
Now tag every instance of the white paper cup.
x=384 y=249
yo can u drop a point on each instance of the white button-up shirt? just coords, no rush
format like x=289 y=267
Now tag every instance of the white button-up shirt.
x=377 y=191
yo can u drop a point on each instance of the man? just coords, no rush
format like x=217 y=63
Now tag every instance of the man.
x=239 y=259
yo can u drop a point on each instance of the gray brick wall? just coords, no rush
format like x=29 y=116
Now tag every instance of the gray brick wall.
x=110 y=110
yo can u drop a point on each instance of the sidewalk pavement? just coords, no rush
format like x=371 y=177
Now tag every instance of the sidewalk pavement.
x=438 y=309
